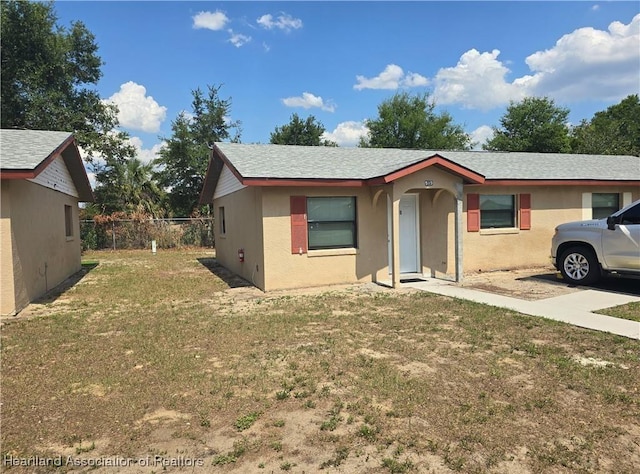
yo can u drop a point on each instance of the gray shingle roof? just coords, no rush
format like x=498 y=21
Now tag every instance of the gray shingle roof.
x=309 y=162
x=26 y=149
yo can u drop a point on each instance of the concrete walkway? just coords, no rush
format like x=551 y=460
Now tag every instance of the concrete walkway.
x=574 y=308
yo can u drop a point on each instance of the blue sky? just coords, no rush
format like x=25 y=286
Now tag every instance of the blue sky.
x=339 y=60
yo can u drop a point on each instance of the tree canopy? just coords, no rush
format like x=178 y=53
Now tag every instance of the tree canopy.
x=300 y=132
x=47 y=74
x=406 y=121
x=614 y=131
x=534 y=124
x=128 y=187
x=184 y=157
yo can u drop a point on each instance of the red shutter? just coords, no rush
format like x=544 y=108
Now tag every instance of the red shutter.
x=473 y=212
x=525 y=211
x=298 y=224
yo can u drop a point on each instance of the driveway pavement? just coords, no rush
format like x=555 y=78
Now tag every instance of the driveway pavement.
x=574 y=308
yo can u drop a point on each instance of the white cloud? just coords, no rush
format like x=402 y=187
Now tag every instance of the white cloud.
x=392 y=77
x=584 y=64
x=215 y=21
x=136 y=110
x=387 y=79
x=284 y=22
x=146 y=155
x=238 y=39
x=590 y=63
x=347 y=133
x=480 y=136
x=415 y=80
x=307 y=101
x=477 y=81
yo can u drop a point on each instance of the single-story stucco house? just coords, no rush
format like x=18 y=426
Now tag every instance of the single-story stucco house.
x=294 y=216
x=42 y=180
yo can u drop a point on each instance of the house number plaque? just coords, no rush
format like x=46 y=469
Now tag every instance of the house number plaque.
x=428 y=183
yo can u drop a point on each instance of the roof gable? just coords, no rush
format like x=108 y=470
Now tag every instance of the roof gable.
x=25 y=154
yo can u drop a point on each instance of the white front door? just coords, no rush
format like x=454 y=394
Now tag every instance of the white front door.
x=409 y=236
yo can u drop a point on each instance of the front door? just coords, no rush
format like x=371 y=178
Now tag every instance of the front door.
x=409 y=236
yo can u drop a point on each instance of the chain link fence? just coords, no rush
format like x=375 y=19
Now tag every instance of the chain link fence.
x=120 y=234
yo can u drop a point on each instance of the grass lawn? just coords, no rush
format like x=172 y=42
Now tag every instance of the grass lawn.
x=156 y=361
x=626 y=311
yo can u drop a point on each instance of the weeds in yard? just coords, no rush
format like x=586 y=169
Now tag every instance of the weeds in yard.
x=335 y=418
x=287 y=466
x=245 y=422
x=367 y=432
x=396 y=467
x=85 y=449
x=340 y=456
x=239 y=448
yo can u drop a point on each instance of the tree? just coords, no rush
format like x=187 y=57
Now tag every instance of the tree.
x=129 y=187
x=535 y=124
x=406 y=121
x=614 y=131
x=46 y=73
x=185 y=155
x=301 y=132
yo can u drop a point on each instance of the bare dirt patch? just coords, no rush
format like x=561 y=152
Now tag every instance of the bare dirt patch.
x=527 y=283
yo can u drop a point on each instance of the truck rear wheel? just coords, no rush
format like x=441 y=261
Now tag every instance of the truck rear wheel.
x=579 y=266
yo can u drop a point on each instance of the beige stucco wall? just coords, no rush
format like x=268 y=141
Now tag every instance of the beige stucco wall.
x=437 y=233
x=7 y=292
x=322 y=267
x=36 y=254
x=550 y=206
x=243 y=217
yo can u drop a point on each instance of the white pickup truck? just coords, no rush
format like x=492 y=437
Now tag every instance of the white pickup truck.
x=584 y=251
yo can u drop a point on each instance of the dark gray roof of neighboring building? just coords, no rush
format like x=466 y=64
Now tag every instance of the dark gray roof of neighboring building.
x=26 y=149
x=310 y=162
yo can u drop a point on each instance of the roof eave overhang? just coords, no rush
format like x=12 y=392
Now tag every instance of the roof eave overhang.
x=75 y=165
x=560 y=182
x=309 y=182
x=210 y=179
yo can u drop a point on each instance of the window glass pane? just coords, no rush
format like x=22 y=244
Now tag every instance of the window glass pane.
x=68 y=221
x=325 y=235
x=497 y=211
x=331 y=222
x=604 y=200
x=331 y=209
x=221 y=218
x=604 y=204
